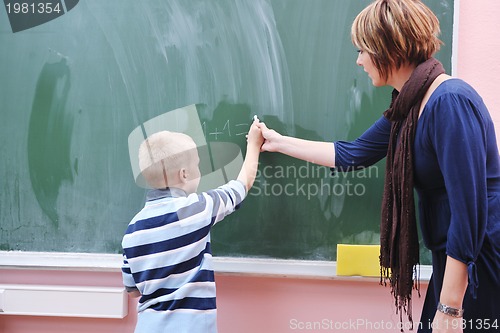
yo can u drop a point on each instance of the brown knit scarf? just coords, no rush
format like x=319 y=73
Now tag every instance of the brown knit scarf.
x=399 y=252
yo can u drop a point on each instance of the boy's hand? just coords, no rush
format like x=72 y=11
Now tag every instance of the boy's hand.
x=254 y=136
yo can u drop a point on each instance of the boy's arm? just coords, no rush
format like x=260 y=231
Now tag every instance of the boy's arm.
x=248 y=171
x=133 y=292
x=227 y=198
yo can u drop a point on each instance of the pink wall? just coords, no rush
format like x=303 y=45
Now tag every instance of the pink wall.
x=478 y=47
x=26 y=324
x=275 y=305
x=258 y=304
x=246 y=304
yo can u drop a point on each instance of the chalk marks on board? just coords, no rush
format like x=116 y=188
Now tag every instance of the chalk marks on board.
x=49 y=137
x=228 y=128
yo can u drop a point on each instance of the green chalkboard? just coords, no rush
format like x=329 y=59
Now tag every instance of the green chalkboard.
x=74 y=88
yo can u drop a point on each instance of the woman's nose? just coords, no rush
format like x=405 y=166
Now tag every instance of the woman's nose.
x=358 y=60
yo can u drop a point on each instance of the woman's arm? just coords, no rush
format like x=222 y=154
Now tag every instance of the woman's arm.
x=452 y=295
x=366 y=150
x=317 y=152
x=461 y=152
x=454 y=283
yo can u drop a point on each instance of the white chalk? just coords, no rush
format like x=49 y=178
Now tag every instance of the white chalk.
x=255 y=118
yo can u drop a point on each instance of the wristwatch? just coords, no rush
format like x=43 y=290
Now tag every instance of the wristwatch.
x=448 y=310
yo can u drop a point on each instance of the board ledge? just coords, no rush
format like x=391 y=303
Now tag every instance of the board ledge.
x=100 y=262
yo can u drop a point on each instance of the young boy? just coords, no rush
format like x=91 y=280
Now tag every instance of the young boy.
x=167 y=255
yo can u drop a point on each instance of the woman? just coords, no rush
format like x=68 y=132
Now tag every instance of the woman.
x=439 y=139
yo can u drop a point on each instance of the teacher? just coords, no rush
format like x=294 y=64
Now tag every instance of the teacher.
x=439 y=139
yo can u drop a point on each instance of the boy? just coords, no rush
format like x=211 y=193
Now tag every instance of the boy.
x=167 y=255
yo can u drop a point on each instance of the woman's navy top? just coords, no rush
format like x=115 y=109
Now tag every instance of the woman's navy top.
x=457 y=177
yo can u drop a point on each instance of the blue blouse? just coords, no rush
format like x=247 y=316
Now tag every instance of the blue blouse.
x=457 y=178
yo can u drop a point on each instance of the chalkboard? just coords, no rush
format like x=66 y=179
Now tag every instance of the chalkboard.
x=74 y=88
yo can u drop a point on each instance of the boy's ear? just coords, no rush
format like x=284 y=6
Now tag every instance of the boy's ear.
x=183 y=175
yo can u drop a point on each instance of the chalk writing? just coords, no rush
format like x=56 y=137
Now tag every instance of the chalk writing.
x=223 y=131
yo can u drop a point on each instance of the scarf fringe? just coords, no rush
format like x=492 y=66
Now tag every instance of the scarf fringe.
x=402 y=303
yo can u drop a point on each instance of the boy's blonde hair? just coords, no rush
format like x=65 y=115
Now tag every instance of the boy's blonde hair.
x=396 y=33
x=163 y=154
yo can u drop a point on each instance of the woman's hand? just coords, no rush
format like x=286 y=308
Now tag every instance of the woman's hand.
x=271 y=138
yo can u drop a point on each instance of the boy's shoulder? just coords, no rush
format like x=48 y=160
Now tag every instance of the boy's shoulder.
x=233 y=192
x=176 y=193
x=172 y=200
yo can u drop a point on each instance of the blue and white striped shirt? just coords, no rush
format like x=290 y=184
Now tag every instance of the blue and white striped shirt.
x=167 y=257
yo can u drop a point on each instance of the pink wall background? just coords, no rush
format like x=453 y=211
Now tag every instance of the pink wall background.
x=478 y=46
x=272 y=304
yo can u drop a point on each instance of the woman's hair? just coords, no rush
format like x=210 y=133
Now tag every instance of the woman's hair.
x=164 y=153
x=396 y=33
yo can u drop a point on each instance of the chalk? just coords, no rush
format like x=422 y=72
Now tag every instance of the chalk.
x=255 y=118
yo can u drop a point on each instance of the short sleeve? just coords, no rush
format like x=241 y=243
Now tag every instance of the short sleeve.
x=128 y=279
x=225 y=199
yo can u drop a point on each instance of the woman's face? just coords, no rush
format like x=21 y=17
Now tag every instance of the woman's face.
x=365 y=60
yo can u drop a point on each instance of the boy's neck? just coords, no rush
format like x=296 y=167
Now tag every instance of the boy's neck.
x=168 y=192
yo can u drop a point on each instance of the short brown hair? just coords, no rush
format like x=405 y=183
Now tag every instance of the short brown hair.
x=396 y=33
x=164 y=153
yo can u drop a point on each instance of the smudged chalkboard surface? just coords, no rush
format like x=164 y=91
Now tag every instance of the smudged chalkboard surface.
x=74 y=88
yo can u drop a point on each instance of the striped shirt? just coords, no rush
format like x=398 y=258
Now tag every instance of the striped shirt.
x=167 y=257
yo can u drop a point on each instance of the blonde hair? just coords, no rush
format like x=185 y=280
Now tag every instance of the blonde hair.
x=164 y=153
x=396 y=33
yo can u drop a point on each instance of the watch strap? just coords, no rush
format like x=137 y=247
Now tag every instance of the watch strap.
x=450 y=311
